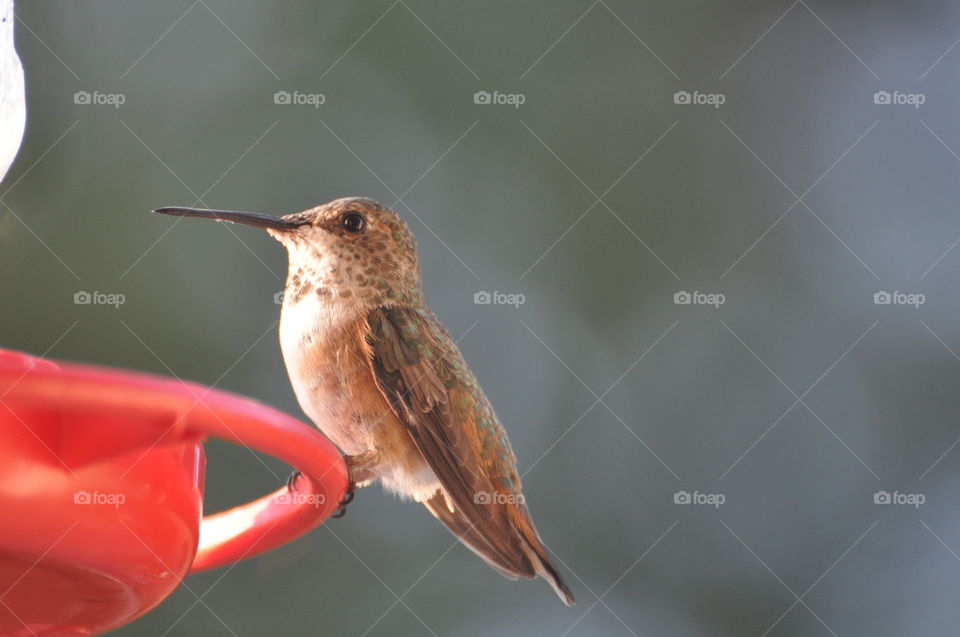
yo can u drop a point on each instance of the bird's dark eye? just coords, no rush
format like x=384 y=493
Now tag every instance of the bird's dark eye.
x=353 y=221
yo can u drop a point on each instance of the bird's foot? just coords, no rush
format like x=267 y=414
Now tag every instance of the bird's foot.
x=360 y=469
x=347 y=499
x=292 y=481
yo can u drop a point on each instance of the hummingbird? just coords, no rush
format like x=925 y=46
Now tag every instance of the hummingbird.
x=13 y=112
x=372 y=366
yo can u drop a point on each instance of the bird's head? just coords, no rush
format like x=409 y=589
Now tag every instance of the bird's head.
x=348 y=251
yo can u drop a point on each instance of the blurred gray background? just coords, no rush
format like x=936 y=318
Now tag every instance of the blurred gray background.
x=799 y=401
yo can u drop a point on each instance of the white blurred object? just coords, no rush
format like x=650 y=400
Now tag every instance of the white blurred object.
x=13 y=111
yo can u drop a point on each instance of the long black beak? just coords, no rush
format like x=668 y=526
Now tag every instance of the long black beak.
x=247 y=218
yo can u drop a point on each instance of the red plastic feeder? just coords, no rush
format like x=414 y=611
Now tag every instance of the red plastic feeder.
x=101 y=491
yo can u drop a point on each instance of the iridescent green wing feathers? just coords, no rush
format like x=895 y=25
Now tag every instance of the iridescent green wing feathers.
x=426 y=381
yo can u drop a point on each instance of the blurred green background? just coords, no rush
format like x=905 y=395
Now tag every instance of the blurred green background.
x=599 y=198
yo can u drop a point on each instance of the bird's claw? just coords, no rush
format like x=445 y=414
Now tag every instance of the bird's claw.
x=292 y=481
x=347 y=499
x=342 y=505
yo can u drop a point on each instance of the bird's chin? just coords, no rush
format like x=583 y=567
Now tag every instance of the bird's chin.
x=283 y=236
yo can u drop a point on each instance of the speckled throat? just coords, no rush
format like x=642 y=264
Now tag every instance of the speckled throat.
x=339 y=275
